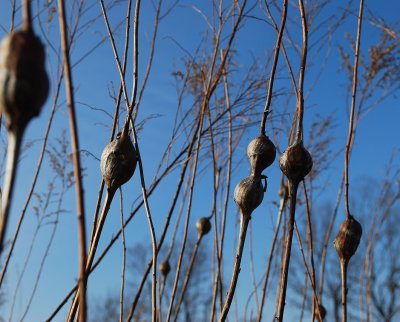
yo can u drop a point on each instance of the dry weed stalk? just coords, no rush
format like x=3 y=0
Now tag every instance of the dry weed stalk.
x=295 y=162
x=349 y=235
x=76 y=161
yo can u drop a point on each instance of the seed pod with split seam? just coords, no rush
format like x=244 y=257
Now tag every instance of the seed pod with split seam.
x=348 y=238
x=164 y=267
x=203 y=226
x=249 y=194
x=118 y=161
x=261 y=153
x=296 y=162
x=24 y=84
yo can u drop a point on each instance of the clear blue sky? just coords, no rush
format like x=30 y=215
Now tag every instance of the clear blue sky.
x=377 y=139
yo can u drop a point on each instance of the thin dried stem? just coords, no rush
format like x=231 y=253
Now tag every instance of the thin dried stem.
x=273 y=67
x=311 y=244
x=13 y=149
x=76 y=161
x=187 y=276
x=218 y=274
x=351 y=120
x=310 y=277
x=300 y=96
x=282 y=205
x=244 y=222
x=121 y=297
x=26 y=15
x=343 y=273
x=288 y=247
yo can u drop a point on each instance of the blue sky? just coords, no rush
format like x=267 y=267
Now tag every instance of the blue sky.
x=377 y=139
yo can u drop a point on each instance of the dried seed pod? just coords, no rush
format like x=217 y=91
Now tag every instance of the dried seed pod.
x=348 y=238
x=322 y=310
x=165 y=267
x=296 y=162
x=118 y=161
x=249 y=194
x=24 y=84
x=203 y=226
x=261 y=153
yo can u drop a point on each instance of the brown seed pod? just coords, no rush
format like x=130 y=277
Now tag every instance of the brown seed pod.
x=24 y=84
x=261 y=153
x=165 y=267
x=203 y=226
x=322 y=310
x=296 y=162
x=348 y=238
x=118 y=161
x=249 y=194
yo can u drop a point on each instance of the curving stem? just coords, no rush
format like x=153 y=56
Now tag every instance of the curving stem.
x=13 y=150
x=244 y=223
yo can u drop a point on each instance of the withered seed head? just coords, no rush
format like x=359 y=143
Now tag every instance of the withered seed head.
x=24 y=84
x=348 y=238
x=203 y=226
x=165 y=267
x=296 y=162
x=249 y=194
x=261 y=153
x=118 y=161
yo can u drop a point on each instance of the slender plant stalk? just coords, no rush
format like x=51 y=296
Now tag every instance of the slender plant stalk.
x=344 y=262
x=187 y=276
x=273 y=67
x=288 y=247
x=13 y=150
x=76 y=161
x=93 y=248
x=311 y=246
x=152 y=231
x=293 y=185
x=282 y=205
x=353 y=103
x=244 y=223
x=303 y=64
x=343 y=273
x=121 y=298
x=310 y=277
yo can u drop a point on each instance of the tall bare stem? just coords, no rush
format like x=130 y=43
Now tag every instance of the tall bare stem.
x=76 y=161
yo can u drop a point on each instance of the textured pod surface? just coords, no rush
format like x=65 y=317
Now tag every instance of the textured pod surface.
x=203 y=226
x=296 y=162
x=165 y=267
x=348 y=238
x=249 y=194
x=118 y=162
x=261 y=153
x=24 y=84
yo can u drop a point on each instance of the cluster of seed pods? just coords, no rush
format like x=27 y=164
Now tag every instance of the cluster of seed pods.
x=249 y=192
